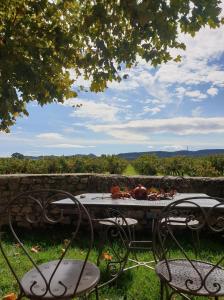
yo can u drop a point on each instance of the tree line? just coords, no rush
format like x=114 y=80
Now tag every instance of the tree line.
x=210 y=166
x=75 y=164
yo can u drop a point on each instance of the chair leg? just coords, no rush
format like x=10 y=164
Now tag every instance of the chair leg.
x=133 y=232
x=102 y=237
x=196 y=242
x=96 y=293
x=168 y=294
x=161 y=290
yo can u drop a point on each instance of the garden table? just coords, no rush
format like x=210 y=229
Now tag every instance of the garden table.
x=105 y=200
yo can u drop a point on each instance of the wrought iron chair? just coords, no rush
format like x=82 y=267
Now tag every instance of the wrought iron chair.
x=62 y=278
x=118 y=234
x=182 y=273
x=113 y=249
x=116 y=216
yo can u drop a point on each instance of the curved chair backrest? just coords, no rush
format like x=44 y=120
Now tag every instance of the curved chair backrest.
x=120 y=219
x=169 y=244
x=114 y=249
x=38 y=207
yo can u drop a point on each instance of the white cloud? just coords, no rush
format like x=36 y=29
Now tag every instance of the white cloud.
x=180 y=91
x=197 y=65
x=126 y=135
x=57 y=140
x=12 y=138
x=212 y=91
x=79 y=124
x=49 y=136
x=94 y=110
x=197 y=111
x=141 y=130
x=173 y=147
x=124 y=85
x=216 y=77
x=196 y=95
x=66 y=146
x=70 y=130
x=153 y=111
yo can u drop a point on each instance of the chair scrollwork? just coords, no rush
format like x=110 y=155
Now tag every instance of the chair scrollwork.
x=115 y=239
x=180 y=271
x=61 y=277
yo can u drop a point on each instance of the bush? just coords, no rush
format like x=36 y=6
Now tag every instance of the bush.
x=146 y=164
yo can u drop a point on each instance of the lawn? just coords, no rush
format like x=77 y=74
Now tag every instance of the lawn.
x=136 y=284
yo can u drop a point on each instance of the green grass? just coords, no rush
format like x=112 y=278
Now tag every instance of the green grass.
x=130 y=171
x=136 y=284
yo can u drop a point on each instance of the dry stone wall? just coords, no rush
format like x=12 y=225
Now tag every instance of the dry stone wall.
x=12 y=185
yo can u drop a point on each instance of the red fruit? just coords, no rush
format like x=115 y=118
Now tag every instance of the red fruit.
x=115 y=189
x=115 y=195
x=140 y=192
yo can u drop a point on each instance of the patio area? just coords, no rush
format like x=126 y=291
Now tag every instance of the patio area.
x=110 y=249
x=140 y=283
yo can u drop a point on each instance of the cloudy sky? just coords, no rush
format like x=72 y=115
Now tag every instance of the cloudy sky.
x=173 y=107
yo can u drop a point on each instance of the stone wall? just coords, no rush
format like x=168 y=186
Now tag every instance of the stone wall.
x=12 y=185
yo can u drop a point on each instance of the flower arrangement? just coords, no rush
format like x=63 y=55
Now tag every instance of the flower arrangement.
x=141 y=193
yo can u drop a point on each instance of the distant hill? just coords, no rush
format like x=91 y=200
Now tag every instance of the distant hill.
x=56 y=156
x=205 y=152
x=134 y=155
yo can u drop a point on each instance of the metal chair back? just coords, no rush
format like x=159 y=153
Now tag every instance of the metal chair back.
x=115 y=238
x=38 y=208
x=180 y=270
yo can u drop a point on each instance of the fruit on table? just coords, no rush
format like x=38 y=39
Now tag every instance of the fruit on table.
x=140 y=192
x=116 y=193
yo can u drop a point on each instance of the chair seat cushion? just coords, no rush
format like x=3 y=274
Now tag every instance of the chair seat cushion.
x=191 y=278
x=63 y=282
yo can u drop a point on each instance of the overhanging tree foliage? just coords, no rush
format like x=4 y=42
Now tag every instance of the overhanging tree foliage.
x=40 y=40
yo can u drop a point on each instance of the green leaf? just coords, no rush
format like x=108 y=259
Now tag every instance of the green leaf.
x=178 y=58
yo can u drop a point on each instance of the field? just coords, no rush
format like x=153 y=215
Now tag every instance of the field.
x=205 y=166
x=130 y=171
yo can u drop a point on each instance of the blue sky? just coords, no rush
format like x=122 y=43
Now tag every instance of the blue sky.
x=175 y=106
